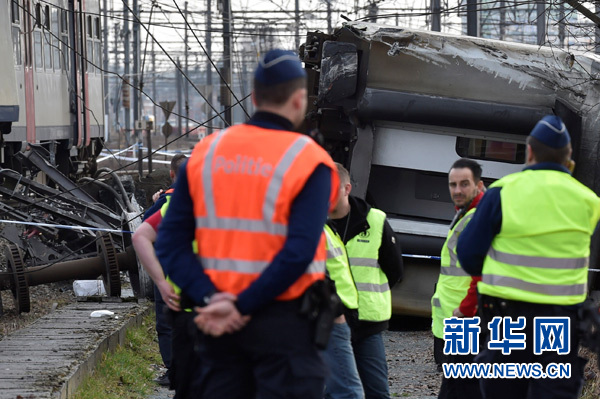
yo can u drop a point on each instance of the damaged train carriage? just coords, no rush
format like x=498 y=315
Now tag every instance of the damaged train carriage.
x=399 y=106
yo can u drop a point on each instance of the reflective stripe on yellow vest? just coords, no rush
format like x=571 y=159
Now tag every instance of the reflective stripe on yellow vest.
x=542 y=250
x=453 y=282
x=374 y=295
x=339 y=269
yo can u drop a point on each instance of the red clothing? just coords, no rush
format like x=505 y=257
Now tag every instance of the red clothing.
x=468 y=306
x=155 y=220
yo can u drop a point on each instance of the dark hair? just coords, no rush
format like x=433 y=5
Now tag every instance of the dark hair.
x=544 y=153
x=469 y=163
x=176 y=162
x=277 y=94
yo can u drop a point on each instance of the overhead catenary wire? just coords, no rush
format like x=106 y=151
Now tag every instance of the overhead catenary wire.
x=223 y=80
x=178 y=67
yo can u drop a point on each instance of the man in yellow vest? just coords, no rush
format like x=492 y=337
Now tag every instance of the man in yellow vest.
x=376 y=266
x=451 y=293
x=343 y=381
x=530 y=242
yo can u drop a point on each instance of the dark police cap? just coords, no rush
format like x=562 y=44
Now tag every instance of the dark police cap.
x=278 y=66
x=551 y=131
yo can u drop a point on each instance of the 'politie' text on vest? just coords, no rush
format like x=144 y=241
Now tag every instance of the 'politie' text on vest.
x=243 y=164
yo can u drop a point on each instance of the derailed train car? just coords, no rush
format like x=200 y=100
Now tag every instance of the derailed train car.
x=51 y=87
x=51 y=121
x=399 y=106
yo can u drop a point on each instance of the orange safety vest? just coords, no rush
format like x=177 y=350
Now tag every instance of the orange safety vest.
x=242 y=182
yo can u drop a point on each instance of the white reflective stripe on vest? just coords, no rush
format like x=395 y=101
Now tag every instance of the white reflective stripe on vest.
x=334 y=252
x=453 y=241
x=211 y=220
x=368 y=287
x=247 y=225
x=277 y=179
x=453 y=271
x=246 y=266
x=436 y=302
x=548 y=289
x=367 y=262
x=538 y=261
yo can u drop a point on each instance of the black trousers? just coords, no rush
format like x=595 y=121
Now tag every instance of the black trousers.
x=455 y=388
x=273 y=356
x=547 y=388
x=186 y=361
x=164 y=328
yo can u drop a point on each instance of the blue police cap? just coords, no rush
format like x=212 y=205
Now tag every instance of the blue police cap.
x=551 y=131
x=278 y=66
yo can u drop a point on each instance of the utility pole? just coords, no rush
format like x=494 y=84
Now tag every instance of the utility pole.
x=185 y=70
x=436 y=16
x=472 y=18
x=209 y=85
x=561 y=26
x=154 y=122
x=225 y=93
x=154 y=77
x=116 y=108
x=503 y=20
x=179 y=79
x=372 y=11
x=329 y=26
x=597 y=30
x=126 y=72
x=297 y=19
x=541 y=23
x=136 y=83
x=105 y=67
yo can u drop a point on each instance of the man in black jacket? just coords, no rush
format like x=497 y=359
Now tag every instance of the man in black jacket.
x=376 y=265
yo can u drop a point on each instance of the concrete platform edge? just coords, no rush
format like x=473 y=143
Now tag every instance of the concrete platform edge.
x=108 y=344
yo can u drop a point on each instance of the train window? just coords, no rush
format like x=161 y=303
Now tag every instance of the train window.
x=64 y=38
x=90 y=31
x=15 y=16
x=490 y=150
x=90 y=56
x=16 y=37
x=55 y=39
x=64 y=21
x=97 y=60
x=47 y=17
x=97 y=28
x=47 y=50
x=37 y=45
x=38 y=15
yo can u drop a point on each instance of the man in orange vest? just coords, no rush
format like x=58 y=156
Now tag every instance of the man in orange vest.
x=255 y=197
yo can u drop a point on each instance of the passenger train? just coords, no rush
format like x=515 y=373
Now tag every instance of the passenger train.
x=51 y=90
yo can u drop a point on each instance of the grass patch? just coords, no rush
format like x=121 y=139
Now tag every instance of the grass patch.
x=591 y=387
x=128 y=372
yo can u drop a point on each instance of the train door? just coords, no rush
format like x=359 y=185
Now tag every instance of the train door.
x=30 y=21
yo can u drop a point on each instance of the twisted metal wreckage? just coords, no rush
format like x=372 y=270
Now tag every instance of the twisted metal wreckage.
x=64 y=230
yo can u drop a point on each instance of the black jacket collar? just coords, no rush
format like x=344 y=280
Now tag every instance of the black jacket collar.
x=270 y=120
